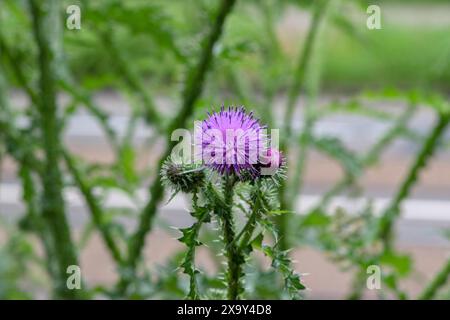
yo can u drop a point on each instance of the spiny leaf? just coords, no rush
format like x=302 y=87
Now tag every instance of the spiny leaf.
x=190 y=239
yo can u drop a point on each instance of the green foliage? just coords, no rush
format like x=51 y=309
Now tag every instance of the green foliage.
x=13 y=267
x=190 y=239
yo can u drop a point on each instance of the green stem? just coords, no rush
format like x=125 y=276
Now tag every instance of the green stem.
x=232 y=252
x=193 y=88
x=300 y=168
x=247 y=231
x=94 y=208
x=132 y=80
x=302 y=67
x=271 y=82
x=393 y=210
x=101 y=116
x=32 y=217
x=46 y=24
x=298 y=84
x=438 y=281
x=17 y=68
x=27 y=163
x=359 y=283
x=370 y=158
x=190 y=269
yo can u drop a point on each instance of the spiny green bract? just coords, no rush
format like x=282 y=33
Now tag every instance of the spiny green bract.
x=182 y=177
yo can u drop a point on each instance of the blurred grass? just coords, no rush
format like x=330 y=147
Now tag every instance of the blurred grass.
x=403 y=56
x=397 y=55
x=394 y=56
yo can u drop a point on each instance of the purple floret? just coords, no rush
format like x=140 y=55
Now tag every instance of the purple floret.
x=232 y=141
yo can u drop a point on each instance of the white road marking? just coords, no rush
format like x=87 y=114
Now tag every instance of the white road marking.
x=413 y=209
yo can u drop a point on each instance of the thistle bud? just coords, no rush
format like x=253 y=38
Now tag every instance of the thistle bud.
x=273 y=165
x=272 y=159
x=182 y=177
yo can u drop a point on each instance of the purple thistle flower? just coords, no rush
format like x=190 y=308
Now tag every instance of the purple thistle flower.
x=232 y=141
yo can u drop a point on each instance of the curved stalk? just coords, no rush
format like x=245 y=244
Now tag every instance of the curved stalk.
x=94 y=208
x=46 y=25
x=439 y=280
x=428 y=148
x=370 y=158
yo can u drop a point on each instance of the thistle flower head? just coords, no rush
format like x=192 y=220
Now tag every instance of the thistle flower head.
x=232 y=141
